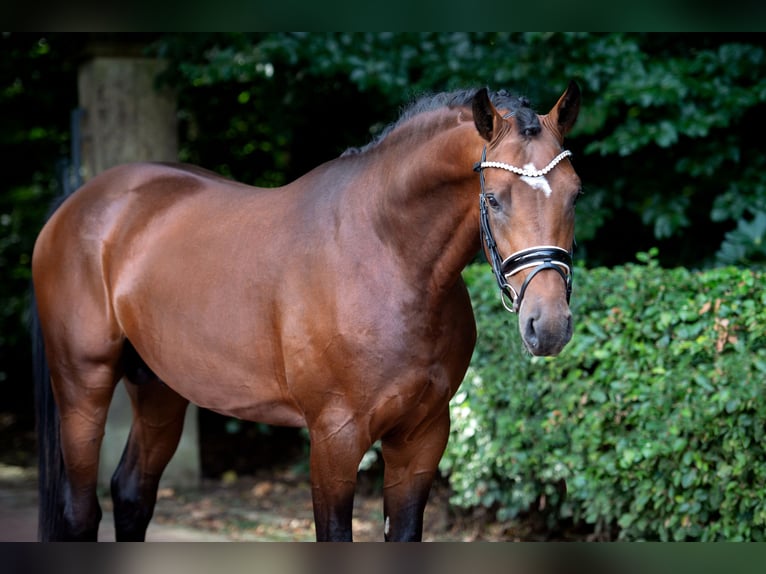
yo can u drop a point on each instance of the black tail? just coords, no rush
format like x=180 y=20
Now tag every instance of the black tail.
x=50 y=460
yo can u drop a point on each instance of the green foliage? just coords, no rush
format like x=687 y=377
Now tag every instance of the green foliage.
x=683 y=111
x=652 y=415
x=745 y=244
x=19 y=210
x=35 y=101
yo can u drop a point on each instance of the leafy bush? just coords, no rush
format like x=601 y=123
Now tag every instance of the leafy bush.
x=653 y=415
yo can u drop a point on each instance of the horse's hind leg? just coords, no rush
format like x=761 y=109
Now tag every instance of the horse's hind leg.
x=158 y=419
x=83 y=390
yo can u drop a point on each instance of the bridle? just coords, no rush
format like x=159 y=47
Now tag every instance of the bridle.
x=538 y=258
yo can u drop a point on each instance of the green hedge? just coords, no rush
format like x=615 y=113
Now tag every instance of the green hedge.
x=653 y=415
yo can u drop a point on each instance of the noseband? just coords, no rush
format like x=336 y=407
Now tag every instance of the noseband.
x=538 y=258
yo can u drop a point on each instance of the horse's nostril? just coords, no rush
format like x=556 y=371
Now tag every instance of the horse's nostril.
x=530 y=334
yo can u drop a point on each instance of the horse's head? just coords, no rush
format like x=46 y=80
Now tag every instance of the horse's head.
x=528 y=194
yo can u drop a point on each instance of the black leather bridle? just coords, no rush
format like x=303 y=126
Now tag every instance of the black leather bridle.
x=538 y=258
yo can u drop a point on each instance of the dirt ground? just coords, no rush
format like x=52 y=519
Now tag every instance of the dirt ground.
x=276 y=506
x=269 y=506
x=270 y=503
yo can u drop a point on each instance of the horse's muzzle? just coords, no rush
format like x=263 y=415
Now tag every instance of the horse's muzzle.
x=545 y=331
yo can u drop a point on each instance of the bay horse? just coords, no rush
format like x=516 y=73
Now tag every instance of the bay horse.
x=334 y=302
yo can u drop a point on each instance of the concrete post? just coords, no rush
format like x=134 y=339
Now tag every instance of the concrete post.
x=126 y=119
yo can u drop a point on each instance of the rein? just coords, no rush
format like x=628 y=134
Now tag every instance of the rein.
x=539 y=258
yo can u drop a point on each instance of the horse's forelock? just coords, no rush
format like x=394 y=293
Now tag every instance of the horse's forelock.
x=527 y=121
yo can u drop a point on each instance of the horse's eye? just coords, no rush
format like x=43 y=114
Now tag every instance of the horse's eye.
x=576 y=197
x=492 y=200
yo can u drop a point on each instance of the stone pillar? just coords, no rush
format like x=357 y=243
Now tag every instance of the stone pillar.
x=127 y=119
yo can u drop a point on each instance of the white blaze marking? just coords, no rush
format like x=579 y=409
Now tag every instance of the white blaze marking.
x=537 y=182
x=385 y=530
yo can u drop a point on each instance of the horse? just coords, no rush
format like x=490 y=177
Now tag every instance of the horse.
x=334 y=302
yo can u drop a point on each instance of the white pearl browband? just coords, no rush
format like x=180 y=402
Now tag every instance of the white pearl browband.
x=527 y=172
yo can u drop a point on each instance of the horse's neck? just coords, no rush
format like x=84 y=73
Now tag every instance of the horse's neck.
x=427 y=204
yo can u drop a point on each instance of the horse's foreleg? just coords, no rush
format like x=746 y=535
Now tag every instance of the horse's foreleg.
x=158 y=419
x=337 y=447
x=411 y=461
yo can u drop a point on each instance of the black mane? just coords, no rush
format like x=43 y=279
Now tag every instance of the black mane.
x=527 y=121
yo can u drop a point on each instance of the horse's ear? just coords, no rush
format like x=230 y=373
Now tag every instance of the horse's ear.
x=564 y=113
x=483 y=114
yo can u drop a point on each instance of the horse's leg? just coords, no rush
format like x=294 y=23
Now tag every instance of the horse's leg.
x=158 y=420
x=83 y=392
x=411 y=460
x=337 y=447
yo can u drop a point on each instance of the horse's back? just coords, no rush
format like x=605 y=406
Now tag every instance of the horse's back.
x=109 y=198
x=108 y=211
x=130 y=206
